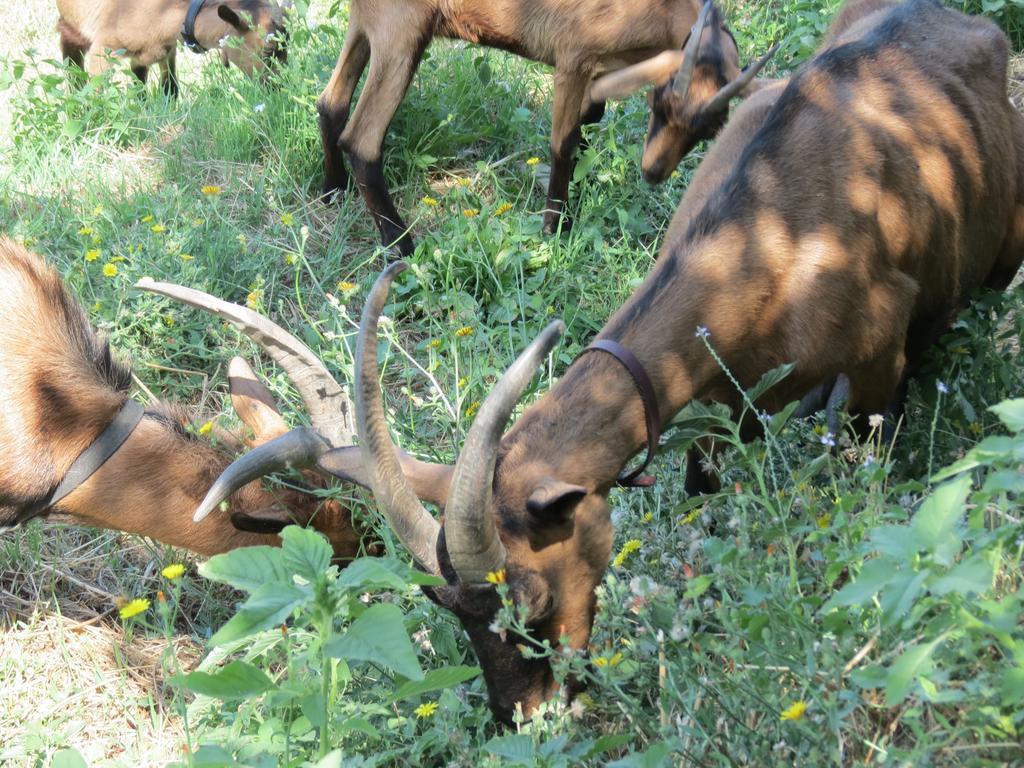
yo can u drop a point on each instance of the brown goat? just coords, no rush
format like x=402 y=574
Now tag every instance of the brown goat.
x=838 y=222
x=581 y=40
x=61 y=387
x=147 y=31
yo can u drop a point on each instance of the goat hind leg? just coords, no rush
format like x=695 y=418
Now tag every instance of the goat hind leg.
x=391 y=70
x=570 y=87
x=335 y=101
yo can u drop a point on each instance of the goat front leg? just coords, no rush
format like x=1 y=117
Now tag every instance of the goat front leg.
x=335 y=101
x=570 y=87
x=169 y=73
x=391 y=69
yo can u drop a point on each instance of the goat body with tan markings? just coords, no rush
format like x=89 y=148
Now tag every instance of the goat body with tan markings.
x=60 y=387
x=147 y=31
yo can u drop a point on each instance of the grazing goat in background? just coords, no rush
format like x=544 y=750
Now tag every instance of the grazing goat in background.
x=581 y=40
x=60 y=388
x=147 y=32
x=837 y=224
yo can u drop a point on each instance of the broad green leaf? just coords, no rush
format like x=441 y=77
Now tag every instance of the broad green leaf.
x=984 y=453
x=697 y=586
x=378 y=636
x=360 y=724
x=247 y=569
x=1011 y=413
x=609 y=742
x=435 y=680
x=769 y=380
x=516 y=749
x=331 y=760
x=873 y=576
x=897 y=597
x=1012 y=687
x=973 y=575
x=236 y=680
x=655 y=756
x=935 y=523
x=269 y=606
x=912 y=663
x=305 y=552
x=897 y=541
x=372 y=573
x=213 y=756
x=68 y=758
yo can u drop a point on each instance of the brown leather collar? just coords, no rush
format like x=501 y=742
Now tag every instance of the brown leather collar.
x=634 y=479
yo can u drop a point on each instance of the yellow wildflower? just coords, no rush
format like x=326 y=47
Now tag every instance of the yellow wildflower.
x=134 y=607
x=693 y=515
x=428 y=200
x=92 y=254
x=85 y=231
x=533 y=161
x=169 y=320
x=346 y=287
x=648 y=517
x=472 y=409
x=503 y=208
x=287 y=219
x=289 y=258
x=824 y=520
x=631 y=546
x=147 y=219
x=462 y=382
x=252 y=301
x=496 y=577
x=96 y=239
x=608 y=661
x=210 y=190
x=186 y=257
x=158 y=229
x=427 y=709
x=469 y=213
x=206 y=428
x=110 y=269
x=97 y=211
x=794 y=711
x=198 y=222
x=464 y=331
x=434 y=343
x=173 y=571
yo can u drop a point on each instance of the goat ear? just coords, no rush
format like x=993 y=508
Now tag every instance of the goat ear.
x=253 y=403
x=232 y=18
x=624 y=82
x=554 y=501
x=430 y=482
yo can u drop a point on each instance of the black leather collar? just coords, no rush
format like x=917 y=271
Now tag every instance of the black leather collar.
x=101 y=449
x=188 y=29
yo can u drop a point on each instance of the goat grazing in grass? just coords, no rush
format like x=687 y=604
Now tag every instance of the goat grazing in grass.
x=146 y=32
x=839 y=221
x=581 y=40
x=61 y=388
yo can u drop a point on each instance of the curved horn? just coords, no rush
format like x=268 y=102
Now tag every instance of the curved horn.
x=681 y=82
x=721 y=99
x=410 y=521
x=326 y=401
x=469 y=529
x=299 y=448
x=620 y=84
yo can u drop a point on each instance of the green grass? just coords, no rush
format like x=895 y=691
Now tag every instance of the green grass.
x=712 y=622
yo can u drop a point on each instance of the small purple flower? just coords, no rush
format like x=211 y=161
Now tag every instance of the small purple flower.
x=941 y=386
x=702 y=332
x=868 y=461
x=764 y=417
x=828 y=439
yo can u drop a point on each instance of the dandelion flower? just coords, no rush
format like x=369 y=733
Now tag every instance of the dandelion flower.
x=148 y=218
x=173 y=571
x=794 y=711
x=533 y=161
x=186 y=257
x=461 y=383
x=631 y=546
x=97 y=211
x=469 y=213
x=496 y=577
x=206 y=428
x=346 y=287
x=158 y=229
x=425 y=710
x=464 y=331
x=85 y=231
x=211 y=190
x=434 y=343
x=287 y=219
x=110 y=269
x=502 y=209
x=465 y=182
x=289 y=258
x=252 y=301
x=92 y=254
x=428 y=200
x=648 y=517
x=134 y=607
x=198 y=222
x=472 y=409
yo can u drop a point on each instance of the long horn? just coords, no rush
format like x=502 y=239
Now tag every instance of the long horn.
x=470 y=533
x=296 y=449
x=326 y=401
x=681 y=82
x=408 y=518
x=721 y=99
x=625 y=82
